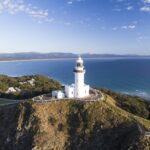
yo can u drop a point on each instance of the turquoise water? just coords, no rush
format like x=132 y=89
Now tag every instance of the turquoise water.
x=131 y=76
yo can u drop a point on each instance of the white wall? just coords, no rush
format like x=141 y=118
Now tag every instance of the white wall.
x=69 y=90
x=79 y=84
x=58 y=94
x=87 y=90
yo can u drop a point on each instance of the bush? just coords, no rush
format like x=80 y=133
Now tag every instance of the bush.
x=42 y=85
x=52 y=120
x=132 y=104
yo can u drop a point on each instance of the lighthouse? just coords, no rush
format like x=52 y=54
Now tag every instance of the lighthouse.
x=79 y=73
x=79 y=89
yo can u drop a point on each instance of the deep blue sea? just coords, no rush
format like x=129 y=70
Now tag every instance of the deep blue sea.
x=127 y=75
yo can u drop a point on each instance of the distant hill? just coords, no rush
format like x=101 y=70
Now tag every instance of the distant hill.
x=26 y=56
x=33 y=55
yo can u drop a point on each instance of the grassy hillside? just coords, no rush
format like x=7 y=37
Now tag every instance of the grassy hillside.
x=71 y=125
x=132 y=104
x=26 y=86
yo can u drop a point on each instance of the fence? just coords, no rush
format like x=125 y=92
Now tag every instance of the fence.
x=95 y=95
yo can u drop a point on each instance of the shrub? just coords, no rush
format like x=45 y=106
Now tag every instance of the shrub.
x=52 y=120
x=133 y=104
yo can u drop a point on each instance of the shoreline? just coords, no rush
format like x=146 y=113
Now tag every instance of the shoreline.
x=41 y=59
x=38 y=59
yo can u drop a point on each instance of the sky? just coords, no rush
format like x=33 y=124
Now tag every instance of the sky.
x=76 y=26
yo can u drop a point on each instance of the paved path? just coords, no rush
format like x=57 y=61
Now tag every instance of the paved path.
x=5 y=102
x=143 y=131
x=95 y=95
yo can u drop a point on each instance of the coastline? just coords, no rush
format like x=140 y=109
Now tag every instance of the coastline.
x=38 y=59
x=21 y=62
x=70 y=58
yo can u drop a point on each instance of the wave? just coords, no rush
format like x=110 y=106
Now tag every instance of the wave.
x=139 y=93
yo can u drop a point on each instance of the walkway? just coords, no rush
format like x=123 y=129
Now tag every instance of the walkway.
x=143 y=131
x=95 y=95
x=5 y=102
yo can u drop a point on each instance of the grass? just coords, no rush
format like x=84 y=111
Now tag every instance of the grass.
x=133 y=104
x=41 y=85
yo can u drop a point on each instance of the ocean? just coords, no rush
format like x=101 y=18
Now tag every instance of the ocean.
x=126 y=75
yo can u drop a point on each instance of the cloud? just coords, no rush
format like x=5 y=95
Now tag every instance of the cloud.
x=15 y=6
x=129 y=8
x=67 y=23
x=114 y=28
x=129 y=27
x=120 y=0
x=143 y=38
x=117 y=9
x=147 y=1
x=145 y=8
x=70 y=2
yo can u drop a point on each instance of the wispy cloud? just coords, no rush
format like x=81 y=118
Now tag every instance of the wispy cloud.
x=117 y=9
x=114 y=28
x=120 y=0
x=67 y=23
x=127 y=27
x=70 y=2
x=146 y=6
x=147 y=1
x=129 y=8
x=143 y=37
x=16 y=6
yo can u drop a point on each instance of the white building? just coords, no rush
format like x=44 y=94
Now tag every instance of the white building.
x=79 y=89
x=58 y=94
x=13 y=90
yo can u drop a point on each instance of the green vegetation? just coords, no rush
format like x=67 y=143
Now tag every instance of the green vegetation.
x=27 y=86
x=132 y=104
x=52 y=120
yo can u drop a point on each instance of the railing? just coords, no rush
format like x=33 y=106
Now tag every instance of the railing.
x=143 y=130
x=147 y=134
x=95 y=95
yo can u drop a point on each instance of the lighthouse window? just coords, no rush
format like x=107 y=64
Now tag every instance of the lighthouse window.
x=79 y=65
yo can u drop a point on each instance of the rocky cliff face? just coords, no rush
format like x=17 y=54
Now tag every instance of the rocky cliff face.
x=70 y=125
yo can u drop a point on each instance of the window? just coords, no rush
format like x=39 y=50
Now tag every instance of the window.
x=79 y=65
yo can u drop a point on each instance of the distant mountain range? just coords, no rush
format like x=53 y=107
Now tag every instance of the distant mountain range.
x=33 y=55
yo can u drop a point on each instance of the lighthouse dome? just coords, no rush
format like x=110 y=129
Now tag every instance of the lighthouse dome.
x=79 y=60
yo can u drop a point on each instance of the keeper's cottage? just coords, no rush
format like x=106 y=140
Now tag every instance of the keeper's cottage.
x=79 y=89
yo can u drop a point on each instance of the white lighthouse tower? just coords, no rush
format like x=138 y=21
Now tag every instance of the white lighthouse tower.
x=79 y=73
x=79 y=89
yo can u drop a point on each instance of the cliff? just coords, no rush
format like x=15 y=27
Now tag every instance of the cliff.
x=71 y=125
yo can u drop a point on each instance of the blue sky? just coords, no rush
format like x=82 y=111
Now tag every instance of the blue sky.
x=78 y=26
